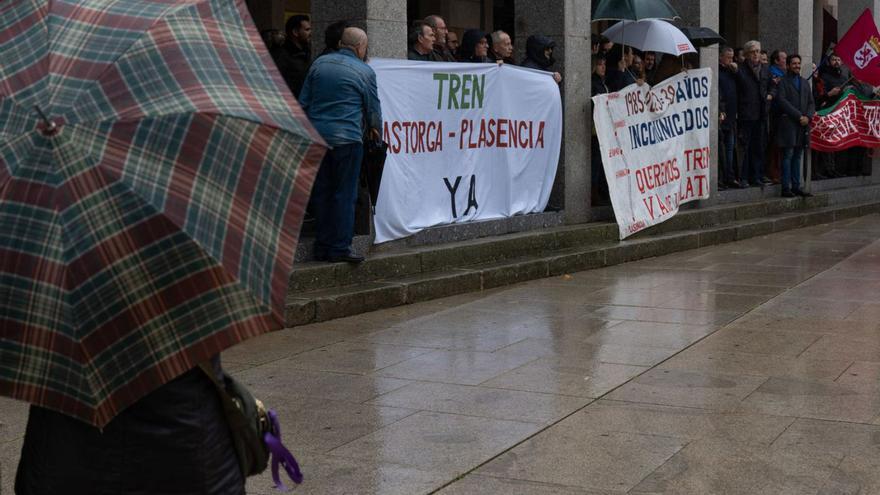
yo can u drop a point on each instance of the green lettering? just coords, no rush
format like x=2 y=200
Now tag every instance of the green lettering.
x=478 y=91
x=454 y=86
x=465 y=90
x=440 y=77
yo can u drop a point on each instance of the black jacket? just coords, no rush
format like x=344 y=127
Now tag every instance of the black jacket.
x=829 y=78
x=293 y=64
x=793 y=103
x=442 y=54
x=535 y=59
x=728 y=100
x=432 y=56
x=173 y=441
x=752 y=92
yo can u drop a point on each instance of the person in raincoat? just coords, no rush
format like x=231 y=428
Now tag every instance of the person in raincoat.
x=539 y=55
x=175 y=441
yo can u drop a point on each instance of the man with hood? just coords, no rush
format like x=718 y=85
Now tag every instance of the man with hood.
x=474 y=47
x=539 y=55
x=295 y=55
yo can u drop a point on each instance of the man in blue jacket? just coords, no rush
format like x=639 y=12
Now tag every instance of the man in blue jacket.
x=340 y=96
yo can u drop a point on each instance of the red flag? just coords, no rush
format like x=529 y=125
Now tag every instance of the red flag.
x=860 y=49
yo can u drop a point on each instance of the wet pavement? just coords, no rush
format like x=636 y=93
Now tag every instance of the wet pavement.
x=745 y=368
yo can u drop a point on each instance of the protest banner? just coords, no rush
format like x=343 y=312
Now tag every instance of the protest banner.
x=655 y=147
x=852 y=121
x=465 y=142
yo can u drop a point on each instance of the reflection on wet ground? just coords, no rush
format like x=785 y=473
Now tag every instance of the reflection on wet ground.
x=745 y=368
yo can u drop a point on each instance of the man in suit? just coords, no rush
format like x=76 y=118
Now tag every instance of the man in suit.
x=794 y=99
x=752 y=83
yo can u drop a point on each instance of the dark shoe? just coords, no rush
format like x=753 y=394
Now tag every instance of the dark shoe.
x=321 y=257
x=788 y=194
x=819 y=177
x=766 y=180
x=740 y=185
x=722 y=186
x=802 y=194
x=348 y=258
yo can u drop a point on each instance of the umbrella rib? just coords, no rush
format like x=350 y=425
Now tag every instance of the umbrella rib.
x=174 y=9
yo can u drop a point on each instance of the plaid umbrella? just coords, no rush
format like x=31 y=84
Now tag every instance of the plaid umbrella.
x=150 y=219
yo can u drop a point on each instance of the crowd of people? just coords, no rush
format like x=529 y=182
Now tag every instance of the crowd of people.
x=338 y=92
x=765 y=109
x=431 y=41
x=765 y=106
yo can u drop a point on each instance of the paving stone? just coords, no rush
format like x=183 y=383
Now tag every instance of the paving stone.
x=569 y=455
x=459 y=367
x=479 y=485
x=728 y=467
x=813 y=399
x=688 y=389
x=482 y=401
x=448 y=443
x=686 y=423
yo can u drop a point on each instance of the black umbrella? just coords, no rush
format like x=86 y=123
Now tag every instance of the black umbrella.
x=702 y=36
x=632 y=10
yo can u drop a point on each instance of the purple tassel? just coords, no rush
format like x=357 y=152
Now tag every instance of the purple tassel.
x=280 y=455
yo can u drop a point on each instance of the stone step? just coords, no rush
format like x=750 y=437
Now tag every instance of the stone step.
x=396 y=279
x=406 y=261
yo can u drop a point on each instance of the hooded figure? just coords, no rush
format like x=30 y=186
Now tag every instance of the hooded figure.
x=469 y=51
x=536 y=57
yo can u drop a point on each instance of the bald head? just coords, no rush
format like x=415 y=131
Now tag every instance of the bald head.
x=353 y=37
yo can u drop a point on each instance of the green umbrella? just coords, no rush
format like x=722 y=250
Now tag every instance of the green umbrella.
x=632 y=10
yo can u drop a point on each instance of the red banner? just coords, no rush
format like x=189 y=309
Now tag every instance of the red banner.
x=850 y=122
x=859 y=49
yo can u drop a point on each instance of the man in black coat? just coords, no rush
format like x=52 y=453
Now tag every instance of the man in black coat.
x=833 y=80
x=727 y=70
x=796 y=108
x=752 y=82
x=294 y=57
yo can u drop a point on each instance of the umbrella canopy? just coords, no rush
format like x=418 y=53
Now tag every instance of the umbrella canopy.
x=650 y=34
x=702 y=36
x=633 y=10
x=150 y=219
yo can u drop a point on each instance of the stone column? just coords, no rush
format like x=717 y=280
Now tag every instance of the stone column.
x=568 y=23
x=850 y=10
x=710 y=18
x=787 y=25
x=384 y=21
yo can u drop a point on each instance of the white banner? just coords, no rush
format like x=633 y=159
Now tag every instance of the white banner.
x=655 y=147
x=465 y=142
